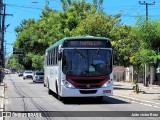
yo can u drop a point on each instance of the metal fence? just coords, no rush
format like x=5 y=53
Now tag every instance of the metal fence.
x=128 y=74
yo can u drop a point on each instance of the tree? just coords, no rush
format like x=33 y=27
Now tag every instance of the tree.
x=96 y=24
x=149 y=33
x=12 y=63
x=97 y=5
x=52 y=26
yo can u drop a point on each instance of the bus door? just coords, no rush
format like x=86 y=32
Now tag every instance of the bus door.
x=59 y=69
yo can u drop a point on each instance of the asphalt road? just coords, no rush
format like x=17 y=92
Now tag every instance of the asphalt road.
x=24 y=95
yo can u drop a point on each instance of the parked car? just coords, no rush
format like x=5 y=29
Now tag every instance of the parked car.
x=20 y=73
x=38 y=76
x=27 y=74
x=12 y=71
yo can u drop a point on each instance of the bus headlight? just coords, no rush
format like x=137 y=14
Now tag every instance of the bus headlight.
x=107 y=84
x=67 y=84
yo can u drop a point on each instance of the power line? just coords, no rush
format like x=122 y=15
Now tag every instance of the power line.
x=26 y=5
x=23 y=6
x=132 y=9
x=146 y=4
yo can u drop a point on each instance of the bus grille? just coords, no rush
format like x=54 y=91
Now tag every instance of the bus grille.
x=87 y=82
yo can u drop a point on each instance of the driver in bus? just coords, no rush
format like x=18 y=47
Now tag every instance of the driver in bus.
x=98 y=60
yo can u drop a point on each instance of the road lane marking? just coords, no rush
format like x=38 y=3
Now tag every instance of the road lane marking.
x=138 y=101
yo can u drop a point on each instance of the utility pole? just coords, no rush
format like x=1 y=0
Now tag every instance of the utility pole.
x=3 y=28
x=2 y=31
x=146 y=4
x=1 y=6
x=146 y=76
x=1 y=42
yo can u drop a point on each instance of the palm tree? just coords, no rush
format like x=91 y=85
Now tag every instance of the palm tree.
x=98 y=4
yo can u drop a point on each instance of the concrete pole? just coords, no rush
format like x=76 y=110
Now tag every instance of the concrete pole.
x=145 y=74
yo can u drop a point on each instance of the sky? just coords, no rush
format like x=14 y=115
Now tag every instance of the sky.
x=25 y=9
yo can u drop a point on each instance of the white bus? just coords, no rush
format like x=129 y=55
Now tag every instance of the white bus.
x=79 y=67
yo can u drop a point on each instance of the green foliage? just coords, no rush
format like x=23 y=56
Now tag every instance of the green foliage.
x=149 y=33
x=126 y=44
x=38 y=61
x=33 y=37
x=97 y=24
x=13 y=63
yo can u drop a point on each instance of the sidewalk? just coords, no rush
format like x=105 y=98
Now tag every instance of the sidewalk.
x=148 y=95
x=1 y=99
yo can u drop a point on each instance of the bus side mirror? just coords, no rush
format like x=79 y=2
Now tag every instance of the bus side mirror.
x=59 y=55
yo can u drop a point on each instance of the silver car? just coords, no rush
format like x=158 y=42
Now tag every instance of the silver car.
x=38 y=76
x=27 y=74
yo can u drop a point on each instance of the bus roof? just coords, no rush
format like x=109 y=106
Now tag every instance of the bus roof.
x=76 y=38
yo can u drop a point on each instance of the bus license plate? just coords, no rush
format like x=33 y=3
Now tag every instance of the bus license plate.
x=106 y=91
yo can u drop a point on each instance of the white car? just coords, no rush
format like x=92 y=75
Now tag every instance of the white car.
x=27 y=74
x=38 y=76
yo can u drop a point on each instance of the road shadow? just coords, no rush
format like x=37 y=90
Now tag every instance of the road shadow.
x=121 y=88
x=150 y=93
x=90 y=100
x=35 y=82
x=118 y=85
x=93 y=100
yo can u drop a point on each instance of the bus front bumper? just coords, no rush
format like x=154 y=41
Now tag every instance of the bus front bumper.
x=95 y=92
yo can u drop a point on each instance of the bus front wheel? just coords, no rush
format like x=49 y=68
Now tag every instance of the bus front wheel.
x=57 y=92
x=44 y=84
x=49 y=91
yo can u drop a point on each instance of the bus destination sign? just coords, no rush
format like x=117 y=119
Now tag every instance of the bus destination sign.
x=87 y=43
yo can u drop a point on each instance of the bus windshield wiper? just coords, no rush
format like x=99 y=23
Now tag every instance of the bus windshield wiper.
x=97 y=52
x=79 y=53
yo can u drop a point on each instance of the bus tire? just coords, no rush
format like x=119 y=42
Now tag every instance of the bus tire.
x=49 y=91
x=59 y=98
x=57 y=92
x=44 y=84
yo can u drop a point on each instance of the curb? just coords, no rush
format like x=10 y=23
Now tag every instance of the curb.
x=139 y=101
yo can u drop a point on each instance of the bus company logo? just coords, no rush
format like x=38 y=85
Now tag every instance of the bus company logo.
x=88 y=86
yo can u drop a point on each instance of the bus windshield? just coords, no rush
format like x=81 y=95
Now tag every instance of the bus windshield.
x=87 y=62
